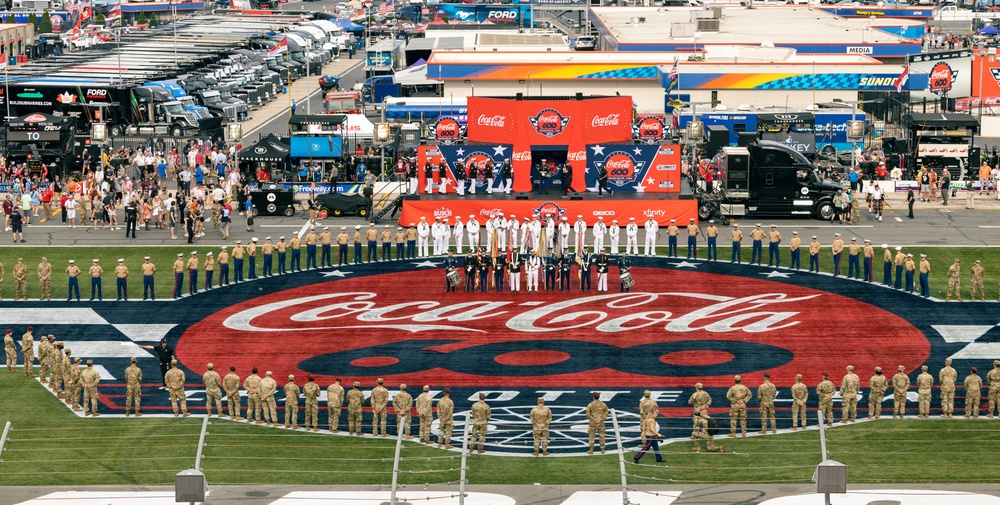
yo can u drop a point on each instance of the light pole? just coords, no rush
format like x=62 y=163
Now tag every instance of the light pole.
x=854 y=137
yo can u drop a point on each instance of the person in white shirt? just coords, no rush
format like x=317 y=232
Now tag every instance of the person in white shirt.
x=457 y=232
x=631 y=237
x=504 y=228
x=600 y=229
x=580 y=227
x=525 y=233
x=491 y=231
x=473 y=230
x=533 y=265
x=613 y=233
x=651 y=228
x=550 y=235
x=423 y=233
x=564 y=233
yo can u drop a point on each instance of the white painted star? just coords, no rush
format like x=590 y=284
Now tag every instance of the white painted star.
x=460 y=151
x=426 y=264
x=598 y=150
x=775 y=273
x=650 y=181
x=499 y=150
x=639 y=188
x=336 y=273
x=637 y=151
x=685 y=264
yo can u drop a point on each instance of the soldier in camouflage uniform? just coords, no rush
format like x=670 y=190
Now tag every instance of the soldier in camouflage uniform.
x=56 y=358
x=379 y=401
x=541 y=418
x=977 y=282
x=480 y=422
x=597 y=415
x=973 y=393
x=947 y=376
x=67 y=371
x=334 y=404
x=446 y=420
x=175 y=386
x=355 y=403
x=800 y=395
x=133 y=388
x=28 y=352
x=10 y=350
x=993 y=382
x=402 y=402
x=231 y=384
x=20 y=280
x=89 y=379
x=72 y=381
x=268 y=386
x=212 y=383
x=877 y=386
x=925 y=382
x=700 y=432
x=900 y=383
x=252 y=385
x=292 y=393
x=850 y=386
x=311 y=391
x=647 y=408
x=45 y=279
x=425 y=409
x=766 y=393
x=738 y=396
x=825 y=390
x=43 y=359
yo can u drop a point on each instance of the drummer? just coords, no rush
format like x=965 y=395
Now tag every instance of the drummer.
x=451 y=278
x=625 y=273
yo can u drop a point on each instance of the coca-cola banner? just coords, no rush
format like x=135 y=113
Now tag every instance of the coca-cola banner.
x=570 y=123
x=660 y=210
x=635 y=168
x=478 y=156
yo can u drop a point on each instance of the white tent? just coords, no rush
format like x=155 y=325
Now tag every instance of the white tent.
x=414 y=76
x=357 y=125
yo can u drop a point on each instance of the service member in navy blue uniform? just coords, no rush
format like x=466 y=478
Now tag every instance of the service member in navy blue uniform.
x=712 y=234
x=886 y=265
x=624 y=266
x=148 y=272
x=551 y=264
x=450 y=265
x=565 y=267
x=484 y=270
x=585 y=261
x=470 y=271
x=499 y=268
x=165 y=353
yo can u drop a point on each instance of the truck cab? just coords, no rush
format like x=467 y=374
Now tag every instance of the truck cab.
x=178 y=93
x=770 y=178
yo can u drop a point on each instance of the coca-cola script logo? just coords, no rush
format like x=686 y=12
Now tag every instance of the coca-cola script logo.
x=447 y=130
x=549 y=122
x=941 y=78
x=676 y=328
x=606 y=120
x=496 y=121
x=649 y=128
x=521 y=156
x=622 y=168
x=576 y=156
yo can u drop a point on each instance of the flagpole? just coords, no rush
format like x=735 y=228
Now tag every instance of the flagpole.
x=288 y=67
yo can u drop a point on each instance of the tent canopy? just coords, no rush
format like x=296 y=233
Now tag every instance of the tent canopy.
x=415 y=75
x=350 y=26
x=269 y=148
x=946 y=120
x=989 y=30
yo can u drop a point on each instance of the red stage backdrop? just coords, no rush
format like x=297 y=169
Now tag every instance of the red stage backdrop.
x=661 y=210
x=571 y=123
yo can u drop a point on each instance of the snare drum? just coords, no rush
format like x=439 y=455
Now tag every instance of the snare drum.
x=627 y=280
x=453 y=278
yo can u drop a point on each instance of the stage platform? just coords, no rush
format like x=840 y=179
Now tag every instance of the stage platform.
x=617 y=206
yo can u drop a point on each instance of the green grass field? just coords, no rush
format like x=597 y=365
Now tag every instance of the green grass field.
x=50 y=446
x=163 y=257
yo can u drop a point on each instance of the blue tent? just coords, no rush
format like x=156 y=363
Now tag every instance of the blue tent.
x=350 y=26
x=989 y=30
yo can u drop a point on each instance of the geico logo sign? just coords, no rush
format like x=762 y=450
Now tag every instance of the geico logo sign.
x=604 y=213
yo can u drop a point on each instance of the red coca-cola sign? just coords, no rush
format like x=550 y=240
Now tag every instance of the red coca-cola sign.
x=941 y=78
x=447 y=130
x=671 y=331
x=521 y=156
x=606 y=120
x=576 y=156
x=650 y=128
x=549 y=122
x=495 y=120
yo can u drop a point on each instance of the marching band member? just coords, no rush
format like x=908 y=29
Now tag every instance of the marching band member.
x=450 y=265
x=625 y=271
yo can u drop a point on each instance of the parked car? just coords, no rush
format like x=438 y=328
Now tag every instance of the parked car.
x=339 y=204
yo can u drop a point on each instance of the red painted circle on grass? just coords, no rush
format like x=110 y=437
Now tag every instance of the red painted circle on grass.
x=687 y=318
x=375 y=361
x=532 y=358
x=692 y=358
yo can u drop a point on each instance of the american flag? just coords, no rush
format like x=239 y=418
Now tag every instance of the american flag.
x=77 y=6
x=674 y=75
x=386 y=8
x=901 y=80
x=114 y=15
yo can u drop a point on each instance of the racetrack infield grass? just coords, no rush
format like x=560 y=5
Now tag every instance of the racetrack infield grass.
x=163 y=257
x=50 y=446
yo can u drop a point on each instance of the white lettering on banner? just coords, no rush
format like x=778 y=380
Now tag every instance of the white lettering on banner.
x=491 y=212
x=522 y=156
x=609 y=120
x=620 y=312
x=860 y=50
x=941 y=72
x=653 y=213
x=502 y=15
x=447 y=127
x=551 y=396
x=576 y=156
x=603 y=213
x=442 y=212
x=621 y=163
x=497 y=120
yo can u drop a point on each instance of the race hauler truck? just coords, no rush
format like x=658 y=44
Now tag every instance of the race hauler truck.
x=942 y=141
x=770 y=178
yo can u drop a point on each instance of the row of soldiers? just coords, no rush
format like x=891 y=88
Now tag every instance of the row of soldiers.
x=554 y=268
x=58 y=369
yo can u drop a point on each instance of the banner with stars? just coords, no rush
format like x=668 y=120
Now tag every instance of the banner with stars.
x=635 y=168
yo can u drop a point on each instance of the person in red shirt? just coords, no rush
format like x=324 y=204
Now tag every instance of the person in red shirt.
x=47 y=202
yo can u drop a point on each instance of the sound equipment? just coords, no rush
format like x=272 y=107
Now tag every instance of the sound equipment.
x=521 y=196
x=888 y=145
x=575 y=196
x=975 y=158
x=746 y=139
x=736 y=169
x=411 y=197
x=718 y=137
x=272 y=200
